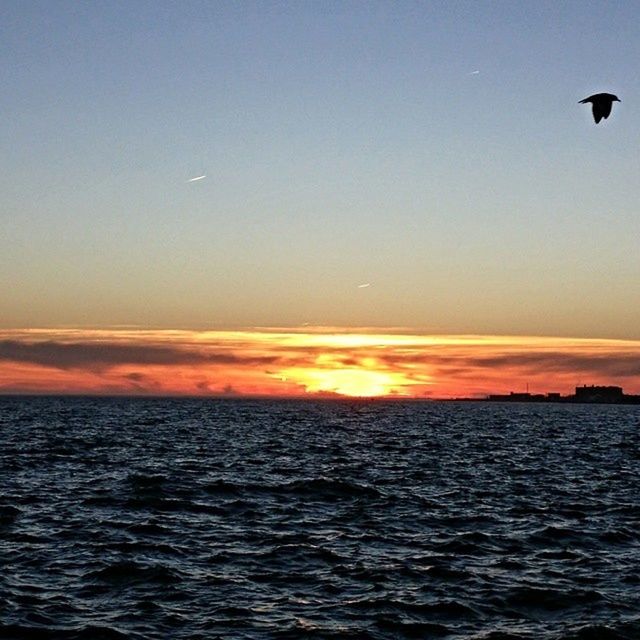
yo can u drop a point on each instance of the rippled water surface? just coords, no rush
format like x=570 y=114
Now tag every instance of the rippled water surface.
x=195 y=519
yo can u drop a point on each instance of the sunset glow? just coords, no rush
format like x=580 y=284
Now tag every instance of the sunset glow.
x=364 y=383
x=309 y=362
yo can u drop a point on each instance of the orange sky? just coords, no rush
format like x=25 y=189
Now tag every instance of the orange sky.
x=305 y=362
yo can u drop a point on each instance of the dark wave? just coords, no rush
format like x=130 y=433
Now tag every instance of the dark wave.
x=549 y=599
x=330 y=488
x=90 y=632
x=625 y=631
x=131 y=572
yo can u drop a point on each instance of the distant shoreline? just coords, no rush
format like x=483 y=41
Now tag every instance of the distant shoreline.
x=628 y=400
x=583 y=395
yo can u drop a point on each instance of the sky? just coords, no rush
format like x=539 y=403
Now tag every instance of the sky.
x=434 y=151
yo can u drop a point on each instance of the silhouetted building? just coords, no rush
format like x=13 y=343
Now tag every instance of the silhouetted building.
x=584 y=394
x=516 y=397
x=594 y=393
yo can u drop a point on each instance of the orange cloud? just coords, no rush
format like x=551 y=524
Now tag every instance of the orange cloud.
x=319 y=361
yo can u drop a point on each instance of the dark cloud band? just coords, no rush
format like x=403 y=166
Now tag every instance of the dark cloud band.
x=83 y=355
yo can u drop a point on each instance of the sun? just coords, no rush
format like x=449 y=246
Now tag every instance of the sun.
x=357 y=383
x=350 y=382
x=355 y=375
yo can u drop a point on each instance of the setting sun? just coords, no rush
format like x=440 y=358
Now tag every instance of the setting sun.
x=369 y=378
x=349 y=382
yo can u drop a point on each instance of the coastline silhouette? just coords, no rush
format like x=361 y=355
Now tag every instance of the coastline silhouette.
x=584 y=394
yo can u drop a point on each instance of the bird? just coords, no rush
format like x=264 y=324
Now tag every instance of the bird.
x=601 y=104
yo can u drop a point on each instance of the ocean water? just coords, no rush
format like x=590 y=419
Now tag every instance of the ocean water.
x=170 y=519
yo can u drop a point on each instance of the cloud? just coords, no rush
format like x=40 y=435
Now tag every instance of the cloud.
x=135 y=377
x=614 y=363
x=86 y=355
x=204 y=386
x=610 y=364
x=142 y=383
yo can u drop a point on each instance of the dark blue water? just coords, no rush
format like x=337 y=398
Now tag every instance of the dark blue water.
x=162 y=519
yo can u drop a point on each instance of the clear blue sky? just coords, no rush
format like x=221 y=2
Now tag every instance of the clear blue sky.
x=343 y=143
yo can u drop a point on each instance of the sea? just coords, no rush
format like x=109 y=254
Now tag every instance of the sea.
x=145 y=519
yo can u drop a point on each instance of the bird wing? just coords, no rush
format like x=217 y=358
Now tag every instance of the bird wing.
x=585 y=100
x=601 y=109
x=597 y=112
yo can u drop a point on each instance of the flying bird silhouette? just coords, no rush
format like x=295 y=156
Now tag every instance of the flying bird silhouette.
x=601 y=104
